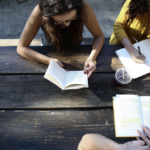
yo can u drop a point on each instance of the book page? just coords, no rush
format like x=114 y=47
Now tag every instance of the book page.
x=57 y=72
x=127 y=113
x=78 y=86
x=75 y=77
x=50 y=78
x=136 y=69
x=145 y=100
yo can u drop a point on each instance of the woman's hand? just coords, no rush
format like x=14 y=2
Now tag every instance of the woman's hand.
x=89 y=67
x=139 y=144
x=58 y=62
x=145 y=139
x=138 y=58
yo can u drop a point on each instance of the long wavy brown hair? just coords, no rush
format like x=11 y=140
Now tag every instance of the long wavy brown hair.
x=136 y=8
x=53 y=32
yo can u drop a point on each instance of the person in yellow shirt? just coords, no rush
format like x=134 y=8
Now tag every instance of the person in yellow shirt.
x=133 y=21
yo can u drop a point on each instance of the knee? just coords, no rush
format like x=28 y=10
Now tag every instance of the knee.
x=87 y=142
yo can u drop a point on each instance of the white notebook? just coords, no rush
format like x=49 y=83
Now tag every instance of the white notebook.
x=136 y=69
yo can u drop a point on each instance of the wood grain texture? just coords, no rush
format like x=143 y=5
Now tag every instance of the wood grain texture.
x=21 y=88
x=72 y=58
x=53 y=130
x=35 y=92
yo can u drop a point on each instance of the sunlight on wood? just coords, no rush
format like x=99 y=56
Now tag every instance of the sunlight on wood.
x=115 y=63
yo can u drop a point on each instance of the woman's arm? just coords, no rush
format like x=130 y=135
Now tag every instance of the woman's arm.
x=93 y=26
x=138 y=58
x=122 y=37
x=30 y=30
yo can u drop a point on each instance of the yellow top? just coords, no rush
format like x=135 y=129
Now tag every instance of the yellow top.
x=139 y=28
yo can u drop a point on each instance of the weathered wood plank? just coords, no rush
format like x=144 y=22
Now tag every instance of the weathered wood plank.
x=35 y=92
x=56 y=130
x=74 y=59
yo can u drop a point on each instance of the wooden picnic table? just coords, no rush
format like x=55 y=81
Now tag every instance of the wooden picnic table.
x=36 y=114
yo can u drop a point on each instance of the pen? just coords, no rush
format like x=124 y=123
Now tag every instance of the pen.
x=139 y=50
x=137 y=46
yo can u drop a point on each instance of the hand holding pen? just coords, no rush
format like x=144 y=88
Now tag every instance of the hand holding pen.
x=139 y=57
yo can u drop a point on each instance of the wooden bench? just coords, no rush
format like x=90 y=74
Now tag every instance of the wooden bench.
x=36 y=114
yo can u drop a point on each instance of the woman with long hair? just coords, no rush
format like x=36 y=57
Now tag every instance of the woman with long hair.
x=133 y=21
x=62 y=23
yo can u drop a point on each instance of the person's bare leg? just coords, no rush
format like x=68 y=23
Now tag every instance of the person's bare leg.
x=97 y=142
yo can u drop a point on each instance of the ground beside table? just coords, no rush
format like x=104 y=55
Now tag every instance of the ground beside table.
x=36 y=114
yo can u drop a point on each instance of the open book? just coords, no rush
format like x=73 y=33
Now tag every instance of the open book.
x=130 y=113
x=66 y=80
x=136 y=69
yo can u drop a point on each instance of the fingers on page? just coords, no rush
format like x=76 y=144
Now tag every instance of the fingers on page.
x=90 y=72
x=138 y=60
x=86 y=72
x=144 y=57
x=147 y=127
x=139 y=132
x=60 y=64
x=145 y=139
x=140 y=57
x=147 y=130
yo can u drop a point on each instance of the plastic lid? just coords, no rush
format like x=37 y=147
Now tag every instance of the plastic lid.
x=123 y=76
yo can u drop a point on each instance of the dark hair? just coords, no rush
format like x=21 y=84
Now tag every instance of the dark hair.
x=136 y=8
x=53 y=32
